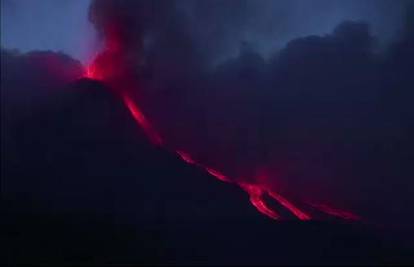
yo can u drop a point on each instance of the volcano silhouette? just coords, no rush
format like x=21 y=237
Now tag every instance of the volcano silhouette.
x=84 y=185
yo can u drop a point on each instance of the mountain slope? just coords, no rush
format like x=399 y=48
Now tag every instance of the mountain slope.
x=81 y=184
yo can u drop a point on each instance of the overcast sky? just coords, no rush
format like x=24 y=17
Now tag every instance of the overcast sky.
x=268 y=24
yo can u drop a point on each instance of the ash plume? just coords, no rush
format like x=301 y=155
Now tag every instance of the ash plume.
x=322 y=119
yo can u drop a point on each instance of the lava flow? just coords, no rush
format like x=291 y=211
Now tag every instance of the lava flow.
x=109 y=67
x=255 y=191
x=346 y=215
x=141 y=120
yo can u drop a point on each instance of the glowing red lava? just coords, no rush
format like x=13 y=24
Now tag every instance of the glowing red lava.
x=288 y=205
x=186 y=157
x=346 y=215
x=256 y=198
x=142 y=120
x=255 y=192
x=108 y=68
x=90 y=73
x=217 y=174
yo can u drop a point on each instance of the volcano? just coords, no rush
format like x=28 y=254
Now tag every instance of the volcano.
x=88 y=186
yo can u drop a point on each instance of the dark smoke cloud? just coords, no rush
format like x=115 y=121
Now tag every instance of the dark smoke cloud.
x=326 y=118
x=269 y=24
x=218 y=27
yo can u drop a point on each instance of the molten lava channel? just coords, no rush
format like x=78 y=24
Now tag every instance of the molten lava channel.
x=102 y=69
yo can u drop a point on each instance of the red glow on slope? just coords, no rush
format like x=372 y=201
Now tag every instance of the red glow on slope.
x=98 y=72
x=109 y=67
x=186 y=157
x=256 y=198
x=217 y=174
x=292 y=208
x=256 y=192
x=142 y=120
x=346 y=215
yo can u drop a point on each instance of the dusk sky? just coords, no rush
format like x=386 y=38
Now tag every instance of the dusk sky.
x=64 y=26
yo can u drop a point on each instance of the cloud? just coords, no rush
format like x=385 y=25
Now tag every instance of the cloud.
x=47 y=25
x=325 y=118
